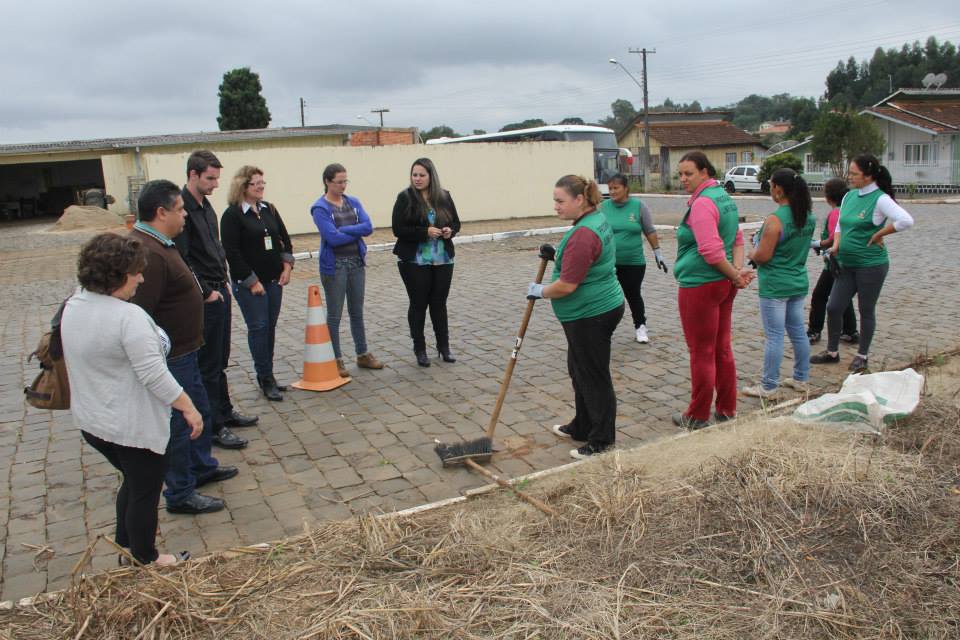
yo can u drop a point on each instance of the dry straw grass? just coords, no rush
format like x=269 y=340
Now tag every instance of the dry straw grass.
x=765 y=530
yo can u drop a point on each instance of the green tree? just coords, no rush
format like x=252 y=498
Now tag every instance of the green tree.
x=572 y=120
x=441 y=131
x=779 y=161
x=479 y=132
x=623 y=114
x=241 y=105
x=526 y=124
x=841 y=135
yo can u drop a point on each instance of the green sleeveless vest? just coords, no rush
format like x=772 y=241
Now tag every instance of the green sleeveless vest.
x=600 y=290
x=690 y=269
x=785 y=274
x=625 y=222
x=856 y=229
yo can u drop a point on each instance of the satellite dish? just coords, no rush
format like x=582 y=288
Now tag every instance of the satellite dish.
x=939 y=80
x=928 y=80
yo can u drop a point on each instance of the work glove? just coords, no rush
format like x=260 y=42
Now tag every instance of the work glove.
x=658 y=255
x=534 y=291
x=815 y=245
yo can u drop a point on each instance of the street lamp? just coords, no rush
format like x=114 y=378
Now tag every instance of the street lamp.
x=366 y=119
x=646 y=116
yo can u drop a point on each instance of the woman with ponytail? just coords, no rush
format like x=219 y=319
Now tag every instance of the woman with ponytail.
x=781 y=256
x=868 y=213
x=588 y=301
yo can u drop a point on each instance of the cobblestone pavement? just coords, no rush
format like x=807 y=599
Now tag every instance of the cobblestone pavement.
x=369 y=445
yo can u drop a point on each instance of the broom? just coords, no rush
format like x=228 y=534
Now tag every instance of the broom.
x=482 y=448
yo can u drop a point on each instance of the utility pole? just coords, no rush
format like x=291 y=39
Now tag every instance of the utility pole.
x=381 y=111
x=646 y=118
x=302 y=120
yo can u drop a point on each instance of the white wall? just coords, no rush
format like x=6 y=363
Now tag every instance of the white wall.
x=897 y=136
x=487 y=181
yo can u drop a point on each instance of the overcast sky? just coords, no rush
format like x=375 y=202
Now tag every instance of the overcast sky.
x=110 y=68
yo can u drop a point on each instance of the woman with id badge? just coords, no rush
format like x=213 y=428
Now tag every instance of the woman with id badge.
x=260 y=256
x=425 y=221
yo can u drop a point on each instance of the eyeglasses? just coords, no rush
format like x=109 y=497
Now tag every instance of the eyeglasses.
x=256 y=184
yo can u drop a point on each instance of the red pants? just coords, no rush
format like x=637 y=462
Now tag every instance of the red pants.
x=706 y=314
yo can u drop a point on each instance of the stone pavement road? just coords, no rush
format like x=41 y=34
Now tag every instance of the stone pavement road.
x=369 y=445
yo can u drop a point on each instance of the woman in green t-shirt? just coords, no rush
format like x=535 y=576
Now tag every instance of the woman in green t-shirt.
x=782 y=258
x=631 y=220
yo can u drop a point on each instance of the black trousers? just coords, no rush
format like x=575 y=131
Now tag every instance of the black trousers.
x=818 y=307
x=631 y=278
x=214 y=356
x=427 y=287
x=588 y=363
x=865 y=283
x=138 y=497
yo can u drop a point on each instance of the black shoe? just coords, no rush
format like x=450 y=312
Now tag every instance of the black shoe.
x=270 y=388
x=858 y=364
x=219 y=475
x=197 y=503
x=237 y=419
x=226 y=439
x=280 y=387
x=814 y=337
x=684 y=421
x=588 y=450
x=720 y=417
x=824 y=357
x=445 y=354
x=422 y=358
x=852 y=338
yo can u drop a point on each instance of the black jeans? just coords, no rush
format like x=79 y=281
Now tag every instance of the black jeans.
x=588 y=363
x=214 y=356
x=138 y=497
x=427 y=287
x=631 y=278
x=865 y=283
x=818 y=307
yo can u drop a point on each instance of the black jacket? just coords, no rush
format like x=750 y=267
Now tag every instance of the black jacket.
x=243 y=235
x=410 y=229
x=199 y=244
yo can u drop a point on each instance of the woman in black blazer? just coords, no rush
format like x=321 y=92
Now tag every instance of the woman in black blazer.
x=425 y=221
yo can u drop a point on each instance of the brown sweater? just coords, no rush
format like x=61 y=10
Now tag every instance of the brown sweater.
x=171 y=295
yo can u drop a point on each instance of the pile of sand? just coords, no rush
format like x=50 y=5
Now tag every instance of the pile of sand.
x=76 y=217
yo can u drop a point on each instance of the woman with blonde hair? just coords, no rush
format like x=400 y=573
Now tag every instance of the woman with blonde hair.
x=588 y=301
x=260 y=256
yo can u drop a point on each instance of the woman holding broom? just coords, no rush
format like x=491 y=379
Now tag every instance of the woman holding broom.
x=588 y=301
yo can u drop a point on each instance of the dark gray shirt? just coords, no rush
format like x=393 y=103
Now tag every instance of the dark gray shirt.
x=343 y=216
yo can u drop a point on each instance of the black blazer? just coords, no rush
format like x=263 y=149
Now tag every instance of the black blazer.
x=242 y=236
x=410 y=229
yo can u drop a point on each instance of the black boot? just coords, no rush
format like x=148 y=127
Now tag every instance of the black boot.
x=422 y=358
x=270 y=390
x=445 y=354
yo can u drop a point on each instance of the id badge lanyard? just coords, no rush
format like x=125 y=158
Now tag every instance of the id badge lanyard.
x=267 y=239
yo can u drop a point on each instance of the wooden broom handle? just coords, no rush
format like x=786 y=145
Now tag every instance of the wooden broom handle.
x=526 y=497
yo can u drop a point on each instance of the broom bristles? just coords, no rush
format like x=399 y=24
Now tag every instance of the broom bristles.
x=457 y=453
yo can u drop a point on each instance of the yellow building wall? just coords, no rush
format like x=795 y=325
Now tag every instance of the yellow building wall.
x=487 y=181
x=116 y=169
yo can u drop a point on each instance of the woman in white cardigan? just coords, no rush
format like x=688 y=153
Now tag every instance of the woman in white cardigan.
x=120 y=389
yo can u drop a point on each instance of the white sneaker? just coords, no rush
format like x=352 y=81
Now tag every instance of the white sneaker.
x=560 y=430
x=642 y=336
x=757 y=391
x=796 y=385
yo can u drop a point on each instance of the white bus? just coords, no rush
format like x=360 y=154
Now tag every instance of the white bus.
x=605 y=150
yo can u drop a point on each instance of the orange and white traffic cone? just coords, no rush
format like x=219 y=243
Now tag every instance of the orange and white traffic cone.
x=319 y=363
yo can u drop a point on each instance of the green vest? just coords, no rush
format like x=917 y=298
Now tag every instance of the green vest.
x=856 y=229
x=785 y=274
x=600 y=290
x=690 y=269
x=625 y=221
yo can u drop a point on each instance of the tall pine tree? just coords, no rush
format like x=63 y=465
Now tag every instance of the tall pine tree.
x=241 y=105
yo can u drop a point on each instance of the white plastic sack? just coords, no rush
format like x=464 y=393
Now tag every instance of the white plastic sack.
x=866 y=402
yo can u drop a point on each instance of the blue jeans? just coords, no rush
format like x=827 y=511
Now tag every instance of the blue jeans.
x=260 y=313
x=777 y=315
x=348 y=281
x=188 y=460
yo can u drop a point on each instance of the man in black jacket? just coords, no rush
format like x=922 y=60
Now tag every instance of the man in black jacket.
x=199 y=244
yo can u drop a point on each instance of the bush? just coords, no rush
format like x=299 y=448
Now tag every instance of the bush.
x=778 y=161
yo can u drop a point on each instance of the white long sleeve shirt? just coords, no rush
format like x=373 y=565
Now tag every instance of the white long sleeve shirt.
x=120 y=388
x=886 y=209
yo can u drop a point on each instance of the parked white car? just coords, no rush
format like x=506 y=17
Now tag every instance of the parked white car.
x=744 y=178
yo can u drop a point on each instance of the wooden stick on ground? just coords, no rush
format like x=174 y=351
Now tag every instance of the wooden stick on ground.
x=526 y=497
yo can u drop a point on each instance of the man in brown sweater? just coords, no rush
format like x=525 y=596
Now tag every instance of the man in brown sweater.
x=172 y=297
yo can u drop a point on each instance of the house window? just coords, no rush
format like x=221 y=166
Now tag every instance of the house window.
x=730 y=159
x=922 y=153
x=811 y=166
x=746 y=156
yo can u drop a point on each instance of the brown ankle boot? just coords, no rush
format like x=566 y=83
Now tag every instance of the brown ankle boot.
x=342 y=369
x=368 y=361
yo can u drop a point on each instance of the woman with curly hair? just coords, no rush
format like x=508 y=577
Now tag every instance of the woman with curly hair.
x=121 y=391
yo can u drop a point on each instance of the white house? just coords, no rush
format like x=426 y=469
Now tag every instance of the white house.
x=922 y=130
